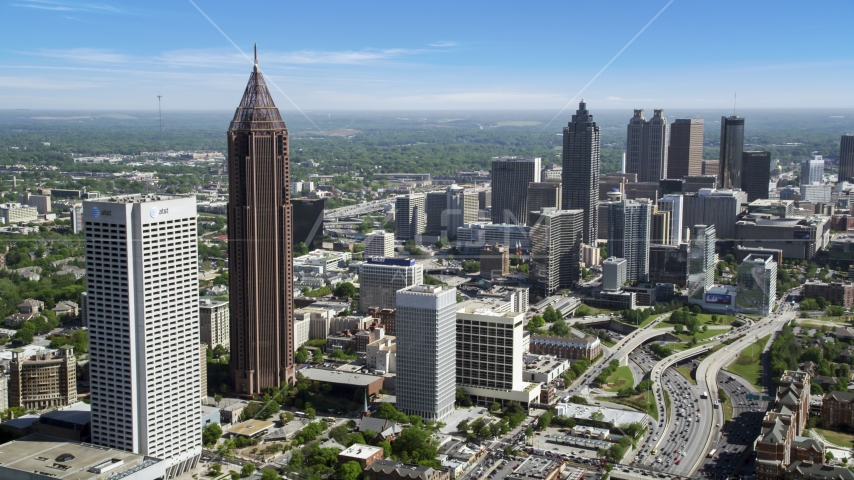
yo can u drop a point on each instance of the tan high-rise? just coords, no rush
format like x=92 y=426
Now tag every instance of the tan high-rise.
x=685 y=156
x=260 y=247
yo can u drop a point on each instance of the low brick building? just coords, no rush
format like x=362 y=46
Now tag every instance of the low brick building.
x=837 y=409
x=838 y=293
x=44 y=380
x=391 y=470
x=365 y=455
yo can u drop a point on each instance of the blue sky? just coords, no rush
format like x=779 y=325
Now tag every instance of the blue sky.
x=385 y=55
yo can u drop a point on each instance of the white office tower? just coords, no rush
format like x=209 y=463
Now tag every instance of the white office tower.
x=426 y=351
x=757 y=283
x=379 y=243
x=486 y=372
x=673 y=204
x=714 y=207
x=701 y=260
x=143 y=309
x=816 y=193
x=812 y=170
x=77 y=219
x=614 y=273
x=628 y=236
x=380 y=278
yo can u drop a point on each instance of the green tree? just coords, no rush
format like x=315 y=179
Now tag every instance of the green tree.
x=346 y=290
x=544 y=421
x=247 y=470
x=310 y=413
x=301 y=355
x=582 y=311
x=317 y=356
x=495 y=406
x=269 y=474
x=536 y=322
x=597 y=416
x=300 y=249
x=560 y=328
x=211 y=434
x=350 y=471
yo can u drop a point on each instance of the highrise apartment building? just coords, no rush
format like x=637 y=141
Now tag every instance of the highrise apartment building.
x=381 y=278
x=701 y=261
x=426 y=351
x=40 y=202
x=260 y=253
x=846 y=158
x=674 y=205
x=543 y=195
x=143 y=308
x=379 y=243
x=756 y=174
x=410 y=218
x=732 y=147
x=628 y=236
x=214 y=323
x=510 y=179
x=556 y=249
x=581 y=164
x=435 y=204
x=646 y=146
x=685 y=156
x=812 y=170
x=659 y=231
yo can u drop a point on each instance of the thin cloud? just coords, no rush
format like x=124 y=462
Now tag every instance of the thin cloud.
x=444 y=44
x=86 y=55
x=67 y=6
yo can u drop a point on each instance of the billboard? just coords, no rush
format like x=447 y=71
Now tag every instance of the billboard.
x=715 y=298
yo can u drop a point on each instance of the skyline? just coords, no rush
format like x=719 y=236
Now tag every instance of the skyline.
x=386 y=56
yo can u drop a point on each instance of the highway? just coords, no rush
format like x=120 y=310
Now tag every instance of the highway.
x=707 y=372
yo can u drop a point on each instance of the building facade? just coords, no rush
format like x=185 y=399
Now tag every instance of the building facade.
x=308 y=221
x=674 y=205
x=669 y=264
x=214 y=323
x=812 y=170
x=556 y=250
x=581 y=163
x=701 y=263
x=685 y=156
x=16 y=213
x=44 y=380
x=646 y=146
x=381 y=278
x=510 y=179
x=838 y=293
x=494 y=261
x=714 y=207
x=757 y=284
x=614 y=273
x=379 y=243
x=143 y=305
x=756 y=175
x=628 y=236
x=260 y=216
x=426 y=351
x=410 y=218
x=732 y=147
x=543 y=195
x=846 y=158
x=573 y=348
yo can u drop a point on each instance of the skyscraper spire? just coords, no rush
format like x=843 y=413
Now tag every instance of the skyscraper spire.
x=256 y=56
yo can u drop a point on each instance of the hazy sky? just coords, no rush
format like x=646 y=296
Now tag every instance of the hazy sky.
x=427 y=55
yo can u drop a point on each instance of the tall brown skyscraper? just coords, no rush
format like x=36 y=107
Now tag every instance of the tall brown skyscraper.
x=260 y=247
x=686 y=148
x=846 y=158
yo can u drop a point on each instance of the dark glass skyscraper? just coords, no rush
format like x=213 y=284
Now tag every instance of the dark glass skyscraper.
x=756 y=174
x=260 y=250
x=846 y=158
x=581 y=170
x=732 y=146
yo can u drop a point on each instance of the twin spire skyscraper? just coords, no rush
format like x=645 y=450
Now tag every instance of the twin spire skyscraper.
x=260 y=250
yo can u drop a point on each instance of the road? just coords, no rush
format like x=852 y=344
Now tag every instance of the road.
x=708 y=370
x=360 y=209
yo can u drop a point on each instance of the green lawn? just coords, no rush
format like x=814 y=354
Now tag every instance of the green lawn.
x=686 y=372
x=706 y=319
x=700 y=335
x=844 y=440
x=638 y=402
x=748 y=364
x=622 y=377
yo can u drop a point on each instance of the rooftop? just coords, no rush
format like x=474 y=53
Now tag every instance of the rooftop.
x=339 y=377
x=250 y=428
x=362 y=452
x=50 y=457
